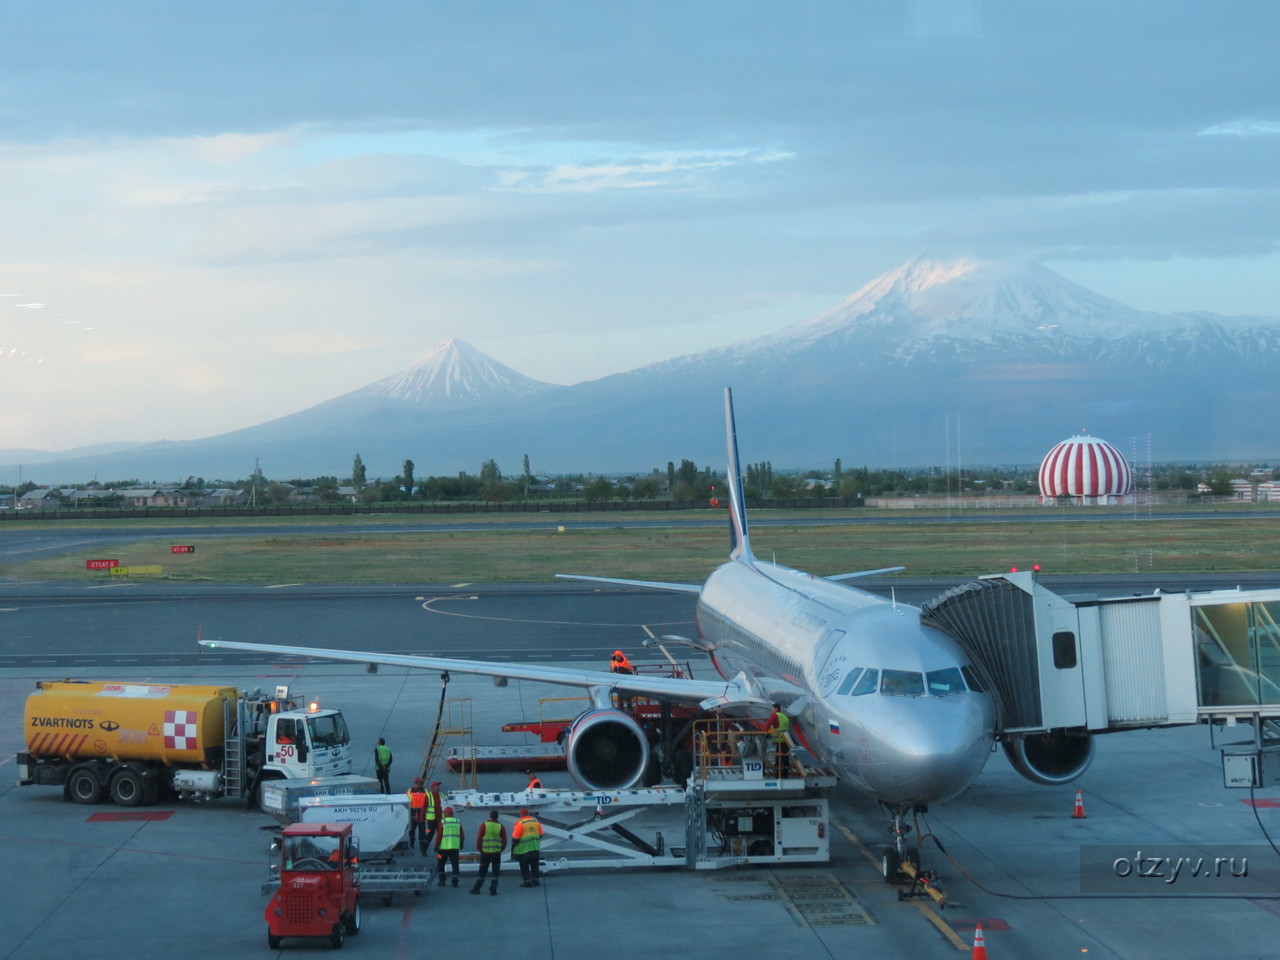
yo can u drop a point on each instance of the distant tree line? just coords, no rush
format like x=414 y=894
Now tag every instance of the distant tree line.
x=683 y=483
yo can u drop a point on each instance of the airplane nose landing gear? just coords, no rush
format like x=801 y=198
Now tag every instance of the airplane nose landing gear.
x=900 y=863
x=892 y=858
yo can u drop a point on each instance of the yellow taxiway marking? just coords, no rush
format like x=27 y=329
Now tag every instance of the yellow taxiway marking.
x=277 y=586
x=943 y=927
x=930 y=914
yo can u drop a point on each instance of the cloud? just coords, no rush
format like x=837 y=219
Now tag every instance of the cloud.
x=1242 y=128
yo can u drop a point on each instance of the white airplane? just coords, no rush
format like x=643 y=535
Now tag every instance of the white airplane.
x=891 y=706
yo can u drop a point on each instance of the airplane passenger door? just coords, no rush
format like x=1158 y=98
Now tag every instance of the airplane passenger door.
x=1062 y=683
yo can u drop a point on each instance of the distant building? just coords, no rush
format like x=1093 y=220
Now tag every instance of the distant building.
x=1085 y=470
x=40 y=499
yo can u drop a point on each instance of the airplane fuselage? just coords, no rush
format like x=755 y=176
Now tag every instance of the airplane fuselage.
x=887 y=702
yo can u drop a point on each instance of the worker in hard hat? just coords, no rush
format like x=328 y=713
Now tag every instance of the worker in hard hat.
x=526 y=847
x=417 y=816
x=431 y=815
x=448 y=843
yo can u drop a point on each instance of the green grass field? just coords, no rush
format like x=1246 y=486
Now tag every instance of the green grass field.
x=1217 y=543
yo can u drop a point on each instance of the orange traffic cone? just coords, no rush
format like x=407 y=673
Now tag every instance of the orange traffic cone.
x=1078 y=813
x=979 y=945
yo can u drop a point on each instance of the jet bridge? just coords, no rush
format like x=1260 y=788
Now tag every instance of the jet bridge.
x=1062 y=668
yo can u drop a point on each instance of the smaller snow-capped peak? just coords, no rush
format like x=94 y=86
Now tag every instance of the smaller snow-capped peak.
x=454 y=372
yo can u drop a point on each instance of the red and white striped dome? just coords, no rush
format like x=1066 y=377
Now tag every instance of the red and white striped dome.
x=1084 y=467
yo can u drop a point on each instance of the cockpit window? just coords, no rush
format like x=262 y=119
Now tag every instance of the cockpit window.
x=849 y=681
x=870 y=680
x=943 y=683
x=902 y=683
x=971 y=677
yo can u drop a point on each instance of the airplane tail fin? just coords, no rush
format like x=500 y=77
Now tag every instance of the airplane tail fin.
x=739 y=545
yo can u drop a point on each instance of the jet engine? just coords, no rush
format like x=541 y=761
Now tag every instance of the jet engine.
x=1052 y=758
x=606 y=750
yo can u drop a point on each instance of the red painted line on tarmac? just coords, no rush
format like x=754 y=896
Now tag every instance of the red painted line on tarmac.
x=130 y=815
x=402 y=947
x=1261 y=804
x=988 y=923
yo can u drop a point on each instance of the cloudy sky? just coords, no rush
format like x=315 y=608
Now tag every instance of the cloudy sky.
x=219 y=213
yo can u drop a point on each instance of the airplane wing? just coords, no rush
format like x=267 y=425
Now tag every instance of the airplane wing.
x=864 y=573
x=647 y=584
x=709 y=694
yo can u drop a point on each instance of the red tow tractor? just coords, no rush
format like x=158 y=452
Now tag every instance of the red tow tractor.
x=319 y=893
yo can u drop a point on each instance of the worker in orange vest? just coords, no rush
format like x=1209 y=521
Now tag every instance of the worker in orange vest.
x=535 y=782
x=417 y=815
x=491 y=840
x=620 y=664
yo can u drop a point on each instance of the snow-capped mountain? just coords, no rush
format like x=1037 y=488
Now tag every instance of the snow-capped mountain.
x=452 y=374
x=936 y=362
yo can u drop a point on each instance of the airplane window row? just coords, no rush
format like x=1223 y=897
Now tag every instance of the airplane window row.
x=908 y=683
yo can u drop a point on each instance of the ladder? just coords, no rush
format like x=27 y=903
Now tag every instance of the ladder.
x=453 y=728
x=232 y=750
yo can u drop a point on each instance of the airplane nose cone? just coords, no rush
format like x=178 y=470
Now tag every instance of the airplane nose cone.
x=931 y=748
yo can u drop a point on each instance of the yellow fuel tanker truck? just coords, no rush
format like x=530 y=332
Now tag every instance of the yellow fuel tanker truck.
x=139 y=742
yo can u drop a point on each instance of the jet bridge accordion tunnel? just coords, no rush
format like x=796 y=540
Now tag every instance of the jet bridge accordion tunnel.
x=1061 y=669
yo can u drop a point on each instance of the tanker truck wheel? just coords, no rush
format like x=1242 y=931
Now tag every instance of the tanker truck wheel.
x=84 y=786
x=337 y=936
x=127 y=789
x=273 y=941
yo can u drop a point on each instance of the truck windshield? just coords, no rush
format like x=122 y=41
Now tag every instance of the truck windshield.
x=313 y=853
x=328 y=731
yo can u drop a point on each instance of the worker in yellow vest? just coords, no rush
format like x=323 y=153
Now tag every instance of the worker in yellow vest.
x=431 y=815
x=382 y=765
x=491 y=840
x=526 y=847
x=448 y=843
x=779 y=727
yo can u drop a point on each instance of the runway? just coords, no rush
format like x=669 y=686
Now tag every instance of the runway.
x=188 y=883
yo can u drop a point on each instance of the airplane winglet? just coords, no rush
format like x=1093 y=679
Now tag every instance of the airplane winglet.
x=739 y=545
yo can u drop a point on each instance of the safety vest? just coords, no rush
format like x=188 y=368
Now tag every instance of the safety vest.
x=382 y=755
x=527 y=835
x=417 y=801
x=430 y=806
x=779 y=733
x=491 y=837
x=450 y=834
